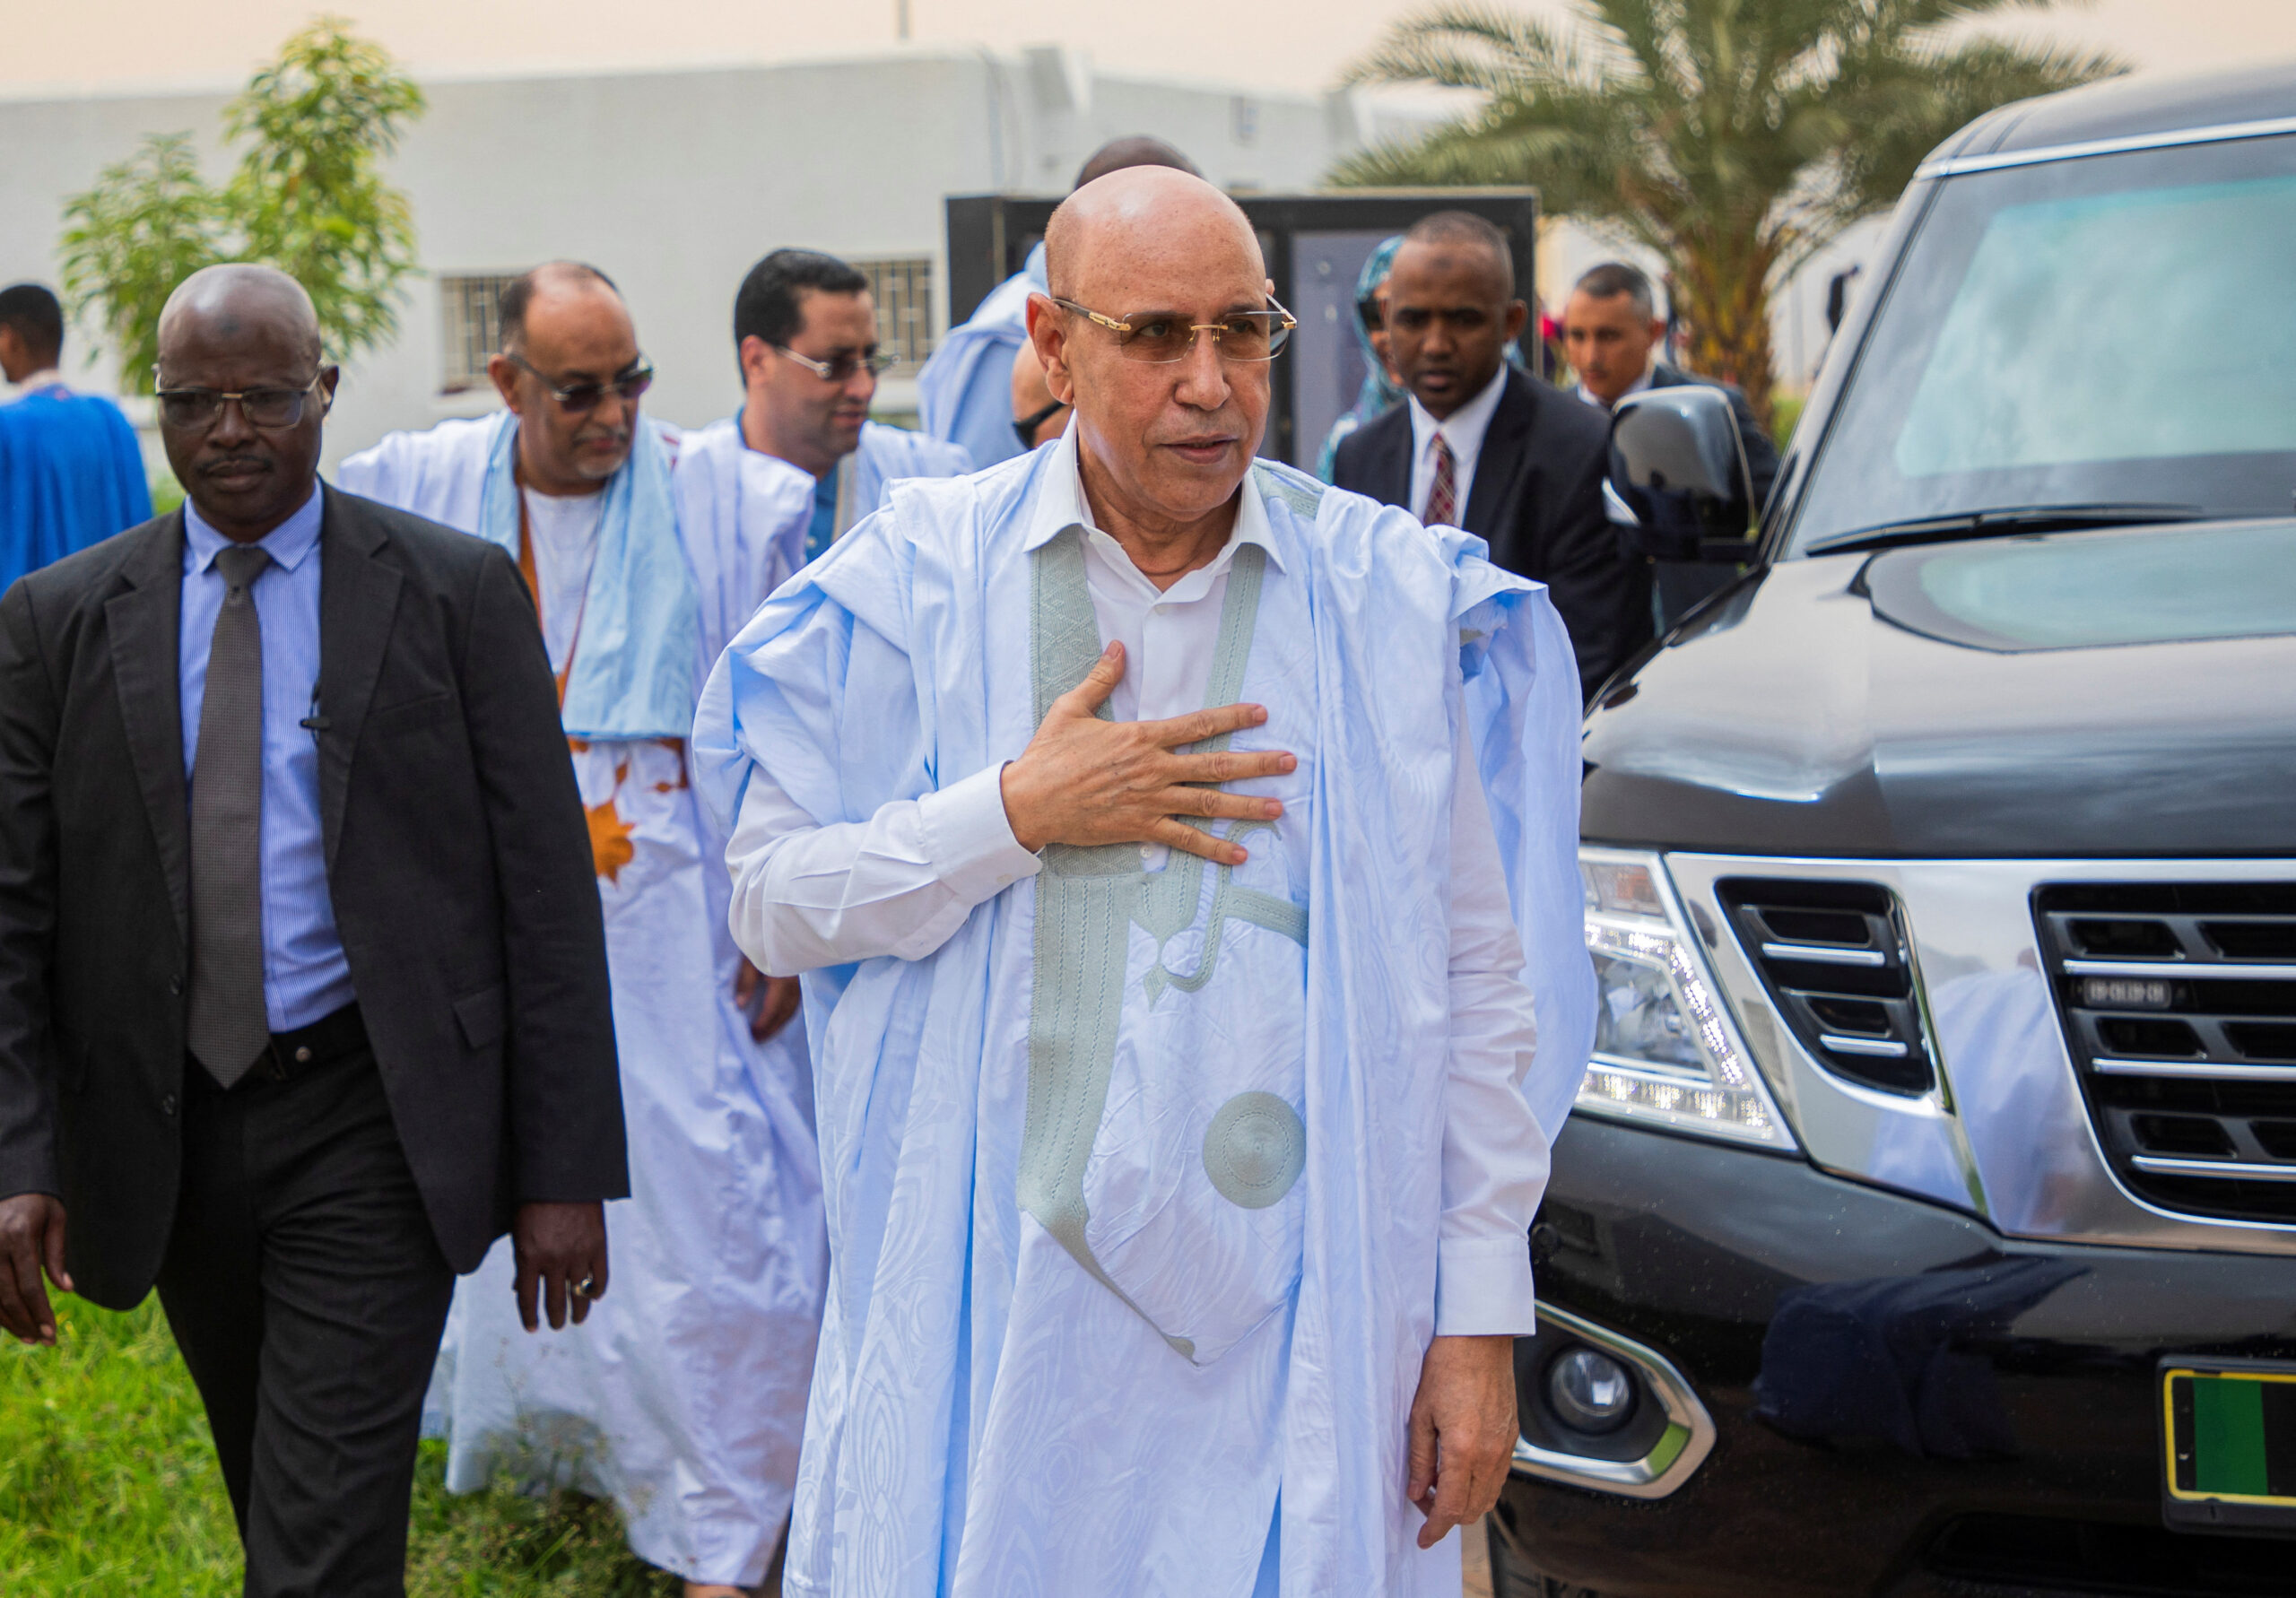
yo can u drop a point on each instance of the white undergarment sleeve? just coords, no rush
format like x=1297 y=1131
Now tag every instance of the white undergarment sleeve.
x=1494 y=1153
x=900 y=883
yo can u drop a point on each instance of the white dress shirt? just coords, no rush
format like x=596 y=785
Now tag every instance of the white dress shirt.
x=1600 y=404
x=1463 y=430
x=904 y=880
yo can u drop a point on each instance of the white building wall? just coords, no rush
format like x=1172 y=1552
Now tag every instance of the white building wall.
x=675 y=182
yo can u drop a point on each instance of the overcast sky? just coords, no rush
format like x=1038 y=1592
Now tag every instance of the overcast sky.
x=1290 y=44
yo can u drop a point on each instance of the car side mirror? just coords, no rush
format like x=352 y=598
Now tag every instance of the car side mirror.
x=1675 y=456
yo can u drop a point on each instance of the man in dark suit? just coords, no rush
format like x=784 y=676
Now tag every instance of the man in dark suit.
x=1479 y=445
x=302 y=979
x=1612 y=332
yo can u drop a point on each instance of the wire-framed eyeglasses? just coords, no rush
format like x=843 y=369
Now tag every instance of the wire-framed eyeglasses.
x=580 y=398
x=200 y=408
x=839 y=368
x=1252 y=335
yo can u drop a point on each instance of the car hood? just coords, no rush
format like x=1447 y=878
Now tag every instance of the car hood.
x=2075 y=694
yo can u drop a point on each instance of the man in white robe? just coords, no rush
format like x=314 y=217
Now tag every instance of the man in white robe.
x=682 y=1394
x=962 y=392
x=806 y=335
x=1185 y=1090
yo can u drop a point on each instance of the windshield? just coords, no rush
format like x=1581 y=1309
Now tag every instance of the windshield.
x=2115 y=330
x=2084 y=591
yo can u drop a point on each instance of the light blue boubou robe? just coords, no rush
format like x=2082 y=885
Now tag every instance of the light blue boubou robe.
x=885 y=456
x=965 y=392
x=639 y=624
x=682 y=1394
x=1081 y=1336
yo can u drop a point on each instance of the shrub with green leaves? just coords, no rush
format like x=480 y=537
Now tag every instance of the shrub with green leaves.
x=308 y=196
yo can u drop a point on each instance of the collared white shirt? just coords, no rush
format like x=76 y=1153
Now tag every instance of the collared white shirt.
x=1463 y=429
x=1169 y=635
x=46 y=377
x=1600 y=404
x=904 y=882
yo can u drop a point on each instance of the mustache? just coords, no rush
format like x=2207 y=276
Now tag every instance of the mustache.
x=235 y=463
x=616 y=436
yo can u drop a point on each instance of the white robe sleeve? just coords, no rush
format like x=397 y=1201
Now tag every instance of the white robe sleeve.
x=1494 y=1153
x=900 y=883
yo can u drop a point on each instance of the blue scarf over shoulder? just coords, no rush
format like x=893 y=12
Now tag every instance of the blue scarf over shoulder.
x=633 y=674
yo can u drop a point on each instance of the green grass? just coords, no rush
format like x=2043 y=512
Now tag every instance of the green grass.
x=108 y=1485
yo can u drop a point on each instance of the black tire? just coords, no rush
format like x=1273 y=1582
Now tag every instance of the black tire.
x=1511 y=1577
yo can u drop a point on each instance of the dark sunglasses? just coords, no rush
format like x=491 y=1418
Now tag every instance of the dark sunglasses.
x=578 y=398
x=1026 y=426
x=200 y=408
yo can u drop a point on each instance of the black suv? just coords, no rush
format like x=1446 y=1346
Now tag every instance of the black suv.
x=1927 y=1223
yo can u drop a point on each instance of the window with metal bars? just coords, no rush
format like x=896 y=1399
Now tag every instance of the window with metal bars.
x=902 y=290
x=470 y=319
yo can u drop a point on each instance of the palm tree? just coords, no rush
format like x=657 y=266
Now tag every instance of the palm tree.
x=1732 y=138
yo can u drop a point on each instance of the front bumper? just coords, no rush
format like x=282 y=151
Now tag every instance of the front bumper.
x=1944 y=1409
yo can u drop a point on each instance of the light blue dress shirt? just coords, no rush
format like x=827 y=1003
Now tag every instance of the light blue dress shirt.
x=305 y=975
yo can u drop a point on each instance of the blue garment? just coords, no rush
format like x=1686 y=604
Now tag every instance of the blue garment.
x=965 y=392
x=70 y=475
x=979 y=1394
x=822 y=528
x=633 y=674
x=887 y=456
x=305 y=975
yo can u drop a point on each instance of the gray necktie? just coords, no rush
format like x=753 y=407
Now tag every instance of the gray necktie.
x=228 y=1026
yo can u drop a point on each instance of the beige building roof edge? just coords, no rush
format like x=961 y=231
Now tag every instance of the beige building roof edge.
x=64 y=91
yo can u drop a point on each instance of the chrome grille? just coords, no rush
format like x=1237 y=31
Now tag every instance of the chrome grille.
x=2179 y=1001
x=1833 y=956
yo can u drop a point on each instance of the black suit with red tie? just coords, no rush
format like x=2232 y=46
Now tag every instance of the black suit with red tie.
x=1537 y=500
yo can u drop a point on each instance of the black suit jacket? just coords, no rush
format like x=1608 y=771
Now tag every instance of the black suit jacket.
x=459 y=865
x=1537 y=500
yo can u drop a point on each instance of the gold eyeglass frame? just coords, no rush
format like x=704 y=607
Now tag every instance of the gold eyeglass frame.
x=1195 y=331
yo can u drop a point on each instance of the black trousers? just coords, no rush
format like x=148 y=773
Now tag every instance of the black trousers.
x=308 y=1294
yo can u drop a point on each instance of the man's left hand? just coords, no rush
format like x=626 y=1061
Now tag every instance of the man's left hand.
x=1463 y=1429
x=777 y=1007
x=561 y=1249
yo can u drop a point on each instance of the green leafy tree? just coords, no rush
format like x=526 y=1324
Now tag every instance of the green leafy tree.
x=1731 y=137
x=148 y=223
x=308 y=196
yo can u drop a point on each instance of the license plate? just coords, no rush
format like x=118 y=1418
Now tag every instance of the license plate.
x=2228 y=1444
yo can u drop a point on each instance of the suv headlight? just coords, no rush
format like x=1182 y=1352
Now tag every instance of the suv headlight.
x=1665 y=1049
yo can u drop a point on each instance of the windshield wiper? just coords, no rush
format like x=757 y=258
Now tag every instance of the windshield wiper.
x=2014 y=518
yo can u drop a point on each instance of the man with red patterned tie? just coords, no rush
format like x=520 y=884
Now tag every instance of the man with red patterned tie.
x=1483 y=446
